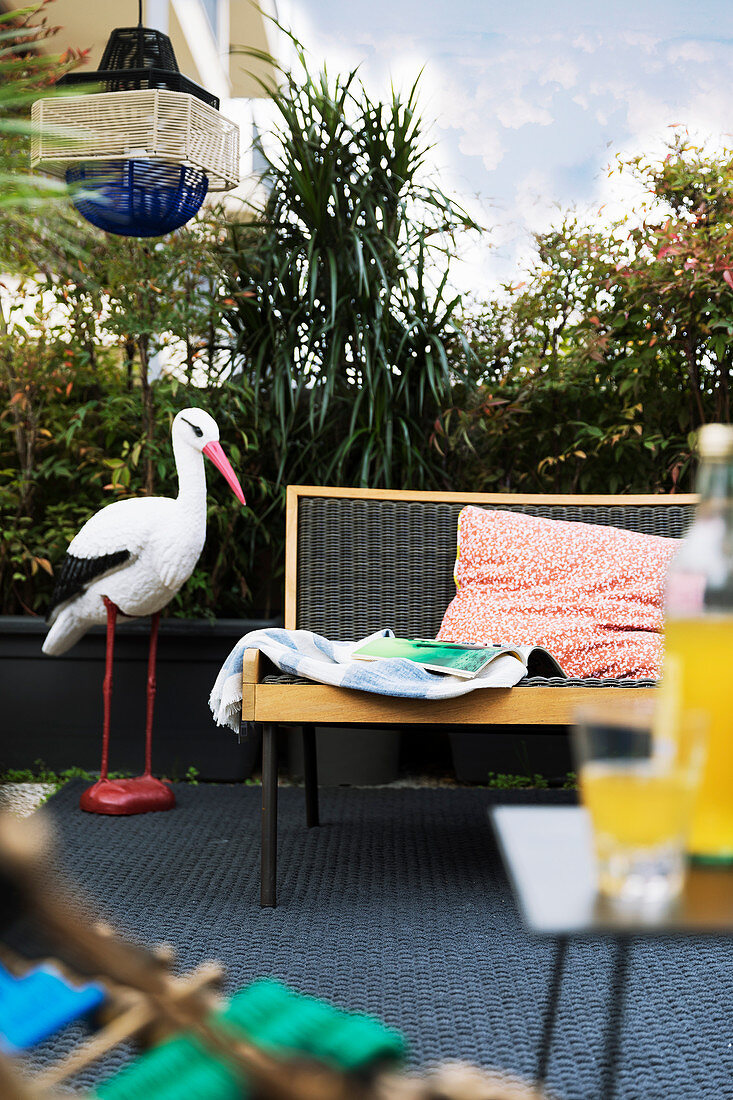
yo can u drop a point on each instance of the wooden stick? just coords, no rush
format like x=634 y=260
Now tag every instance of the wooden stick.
x=12 y=1085
x=129 y=1023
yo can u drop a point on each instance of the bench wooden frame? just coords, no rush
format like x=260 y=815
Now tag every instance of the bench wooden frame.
x=311 y=704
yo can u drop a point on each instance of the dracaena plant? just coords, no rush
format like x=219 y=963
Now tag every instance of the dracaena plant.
x=341 y=314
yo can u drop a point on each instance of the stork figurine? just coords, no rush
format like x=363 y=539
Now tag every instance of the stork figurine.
x=131 y=558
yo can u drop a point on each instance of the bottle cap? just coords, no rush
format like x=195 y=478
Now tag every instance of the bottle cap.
x=715 y=440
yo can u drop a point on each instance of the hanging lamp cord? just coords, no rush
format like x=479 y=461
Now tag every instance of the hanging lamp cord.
x=140 y=39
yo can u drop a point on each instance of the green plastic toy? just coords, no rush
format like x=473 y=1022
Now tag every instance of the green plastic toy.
x=276 y=1019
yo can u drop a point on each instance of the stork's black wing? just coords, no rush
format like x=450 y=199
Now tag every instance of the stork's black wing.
x=77 y=573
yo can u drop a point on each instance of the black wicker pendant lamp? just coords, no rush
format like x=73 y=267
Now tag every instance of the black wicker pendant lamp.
x=142 y=151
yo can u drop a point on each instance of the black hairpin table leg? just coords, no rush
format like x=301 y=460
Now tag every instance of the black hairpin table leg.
x=615 y=1013
x=548 y=1028
x=611 y=1052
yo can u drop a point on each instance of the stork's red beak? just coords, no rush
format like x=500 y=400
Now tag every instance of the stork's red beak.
x=215 y=452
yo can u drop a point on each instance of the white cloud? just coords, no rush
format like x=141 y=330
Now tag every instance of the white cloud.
x=483 y=142
x=688 y=51
x=560 y=71
x=586 y=43
x=464 y=110
x=647 y=114
x=641 y=41
x=517 y=112
x=534 y=200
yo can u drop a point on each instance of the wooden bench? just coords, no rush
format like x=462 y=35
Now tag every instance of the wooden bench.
x=359 y=560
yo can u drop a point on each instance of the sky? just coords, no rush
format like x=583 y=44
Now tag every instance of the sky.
x=531 y=101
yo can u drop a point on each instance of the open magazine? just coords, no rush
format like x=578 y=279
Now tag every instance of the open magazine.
x=455 y=658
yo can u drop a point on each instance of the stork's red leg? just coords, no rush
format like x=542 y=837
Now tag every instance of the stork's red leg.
x=107 y=687
x=144 y=793
x=152 y=657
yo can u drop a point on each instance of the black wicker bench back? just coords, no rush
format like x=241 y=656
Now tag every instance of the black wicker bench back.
x=367 y=564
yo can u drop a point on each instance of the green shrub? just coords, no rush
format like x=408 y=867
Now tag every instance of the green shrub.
x=327 y=348
x=509 y=782
x=71 y=441
x=597 y=368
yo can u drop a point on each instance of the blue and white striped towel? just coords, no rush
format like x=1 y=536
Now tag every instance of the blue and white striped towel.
x=303 y=653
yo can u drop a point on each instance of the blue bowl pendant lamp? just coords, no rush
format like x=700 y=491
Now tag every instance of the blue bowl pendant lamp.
x=136 y=197
x=142 y=153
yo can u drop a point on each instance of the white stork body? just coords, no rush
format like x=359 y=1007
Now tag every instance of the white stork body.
x=139 y=552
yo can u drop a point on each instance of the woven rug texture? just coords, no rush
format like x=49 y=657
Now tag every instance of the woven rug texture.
x=398 y=906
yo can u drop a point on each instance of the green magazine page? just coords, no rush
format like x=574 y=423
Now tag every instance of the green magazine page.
x=451 y=657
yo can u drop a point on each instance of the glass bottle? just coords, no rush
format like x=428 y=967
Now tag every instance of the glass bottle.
x=699 y=638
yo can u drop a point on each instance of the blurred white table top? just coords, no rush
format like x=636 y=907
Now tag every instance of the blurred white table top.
x=547 y=851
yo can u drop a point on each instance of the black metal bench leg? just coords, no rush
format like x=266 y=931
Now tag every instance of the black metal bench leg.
x=310 y=773
x=268 y=866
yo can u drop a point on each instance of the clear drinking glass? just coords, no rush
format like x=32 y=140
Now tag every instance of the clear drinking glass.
x=639 y=772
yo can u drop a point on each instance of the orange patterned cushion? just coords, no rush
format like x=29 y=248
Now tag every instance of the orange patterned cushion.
x=592 y=595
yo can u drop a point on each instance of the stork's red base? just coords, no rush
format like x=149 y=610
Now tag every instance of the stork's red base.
x=142 y=795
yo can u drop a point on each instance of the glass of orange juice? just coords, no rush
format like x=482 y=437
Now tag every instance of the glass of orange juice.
x=639 y=772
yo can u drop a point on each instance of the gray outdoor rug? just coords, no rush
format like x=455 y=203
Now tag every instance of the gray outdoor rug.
x=398 y=906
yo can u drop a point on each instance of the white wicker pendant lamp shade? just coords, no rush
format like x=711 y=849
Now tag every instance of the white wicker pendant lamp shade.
x=142 y=149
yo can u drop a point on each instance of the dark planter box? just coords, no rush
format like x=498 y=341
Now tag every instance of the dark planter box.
x=515 y=750
x=52 y=706
x=348 y=756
